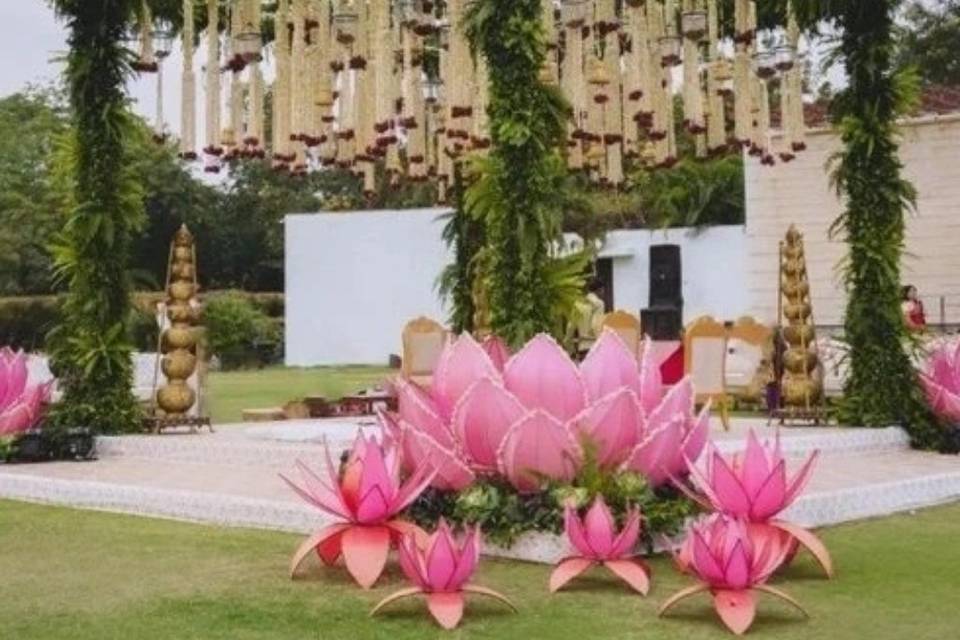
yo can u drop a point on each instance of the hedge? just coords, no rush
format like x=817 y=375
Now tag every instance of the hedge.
x=25 y=320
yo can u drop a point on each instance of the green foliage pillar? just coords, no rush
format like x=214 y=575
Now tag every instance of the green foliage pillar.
x=882 y=388
x=90 y=346
x=518 y=188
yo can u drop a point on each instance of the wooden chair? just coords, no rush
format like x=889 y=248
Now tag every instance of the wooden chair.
x=627 y=326
x=705 y=354
x=423 y=342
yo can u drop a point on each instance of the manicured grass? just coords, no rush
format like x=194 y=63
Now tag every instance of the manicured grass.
x=233 y=391
x=83 y=575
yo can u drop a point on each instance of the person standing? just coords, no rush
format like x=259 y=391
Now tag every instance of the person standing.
x=913 y=314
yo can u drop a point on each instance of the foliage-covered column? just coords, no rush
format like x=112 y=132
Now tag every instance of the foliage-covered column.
x=517 y=189
x=882 y=388
x=91 y=347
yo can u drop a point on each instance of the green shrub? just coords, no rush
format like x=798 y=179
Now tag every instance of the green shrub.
x=239 y=333
x=26 y=320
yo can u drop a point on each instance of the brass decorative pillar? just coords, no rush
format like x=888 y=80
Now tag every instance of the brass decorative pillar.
x=179 y=341
x=801 y=387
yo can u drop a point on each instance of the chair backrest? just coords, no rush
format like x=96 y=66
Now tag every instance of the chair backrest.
x=705 y=353
x=627 y=326
x=749 y=355
x=423 y=342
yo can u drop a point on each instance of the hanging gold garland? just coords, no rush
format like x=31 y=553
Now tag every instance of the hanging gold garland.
x=188 y=92
x=213 y=150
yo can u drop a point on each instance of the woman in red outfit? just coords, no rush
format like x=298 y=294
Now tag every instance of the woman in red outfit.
x=913 y=314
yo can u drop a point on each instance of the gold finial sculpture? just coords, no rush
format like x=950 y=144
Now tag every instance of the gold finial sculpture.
x=801 y=387
x=178 y=345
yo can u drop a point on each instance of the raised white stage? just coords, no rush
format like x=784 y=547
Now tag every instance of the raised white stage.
x=230 y=477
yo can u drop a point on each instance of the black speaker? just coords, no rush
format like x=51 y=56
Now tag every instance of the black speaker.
x=662 y=323
x=666 y=277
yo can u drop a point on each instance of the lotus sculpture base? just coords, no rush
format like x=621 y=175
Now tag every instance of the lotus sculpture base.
x=633 y=571
x=364 y=547
x=445 y=607
x=737 y=609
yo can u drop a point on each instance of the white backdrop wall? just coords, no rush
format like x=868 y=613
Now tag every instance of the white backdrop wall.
x=354 y=279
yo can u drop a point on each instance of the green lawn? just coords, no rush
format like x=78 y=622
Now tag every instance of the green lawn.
x=83 y=575
x=233 y=391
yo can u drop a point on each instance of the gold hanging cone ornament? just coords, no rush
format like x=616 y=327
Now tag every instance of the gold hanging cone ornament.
x=179 y=340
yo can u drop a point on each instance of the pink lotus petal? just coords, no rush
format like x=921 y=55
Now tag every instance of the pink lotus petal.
x=609 y=367
x=326 y=543
x=698 y=435
x=704 y=563
x=567 y=570
x=467 y=563
x=497 y=350
x=799 y=482
x=737 y=609
x=464 y=364
x=452 y=473
x=482 y=418
x=373 y=507
x=417 y=408
x=728 y=489
x=599 y=527
x=651 y=380
x=408 y=555
x=575 y=531
x=376 y=483
x=769 y=499
x=441 y=559
x=627 y=540
x=446 y=608
x=542 y=376
x=365 y=553
x=613 y=425
x=414 y=486
x=737 y=571
x=631 y=572
x=649 y=457
x=756 y=466
x=678 y=401
x=538 y=446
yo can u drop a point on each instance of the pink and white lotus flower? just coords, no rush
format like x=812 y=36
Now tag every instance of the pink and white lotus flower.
x=597 y=542
x=528 y=420
x=365 y=497
x=756 y=489
x=441 y=571
x=941 y=382
x=21 y=404
x=732 y=565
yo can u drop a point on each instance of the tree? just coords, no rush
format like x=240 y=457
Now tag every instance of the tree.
x=928 y=39
x=32 y=125
x=91 y=349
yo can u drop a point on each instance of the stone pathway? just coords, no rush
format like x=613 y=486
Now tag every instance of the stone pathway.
x=231 y=477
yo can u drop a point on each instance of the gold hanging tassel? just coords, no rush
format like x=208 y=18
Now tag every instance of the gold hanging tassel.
x=613 y=108
x=326 y=85
x=230 y=136
x=793 y=86
x=146 y=60
x=550 y=73
x=742 y=74
x=282 y=155
x=414 y=119
x=298 y=88
x=693 y=116
x=719 y=71
x=573 y=82
x=480 y=141
x=254 y=136
x=212 y=89
x=188 y=91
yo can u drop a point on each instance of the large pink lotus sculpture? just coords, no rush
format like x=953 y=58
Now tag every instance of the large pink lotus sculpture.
x=528 y=420
x=756 y=489
x=365 y=497
x=941 y=381
x=732 y=565
x=441 y=571
x=597 y=542
x=20 y=404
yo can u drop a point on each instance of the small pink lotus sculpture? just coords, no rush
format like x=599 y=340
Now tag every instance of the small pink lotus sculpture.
x=366 y=498
x=597 y=542
x=756 y=489
x=732 y=565
x=941 y=381
x=527 y=420
x=441 y=571
x=20 y=405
